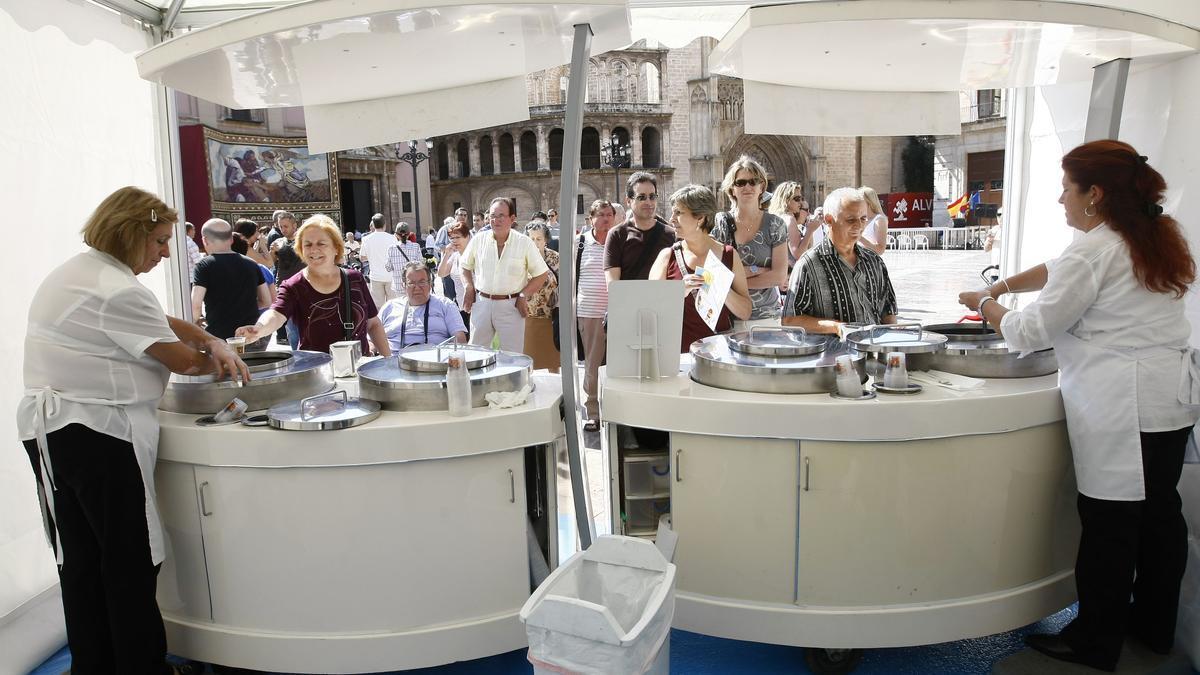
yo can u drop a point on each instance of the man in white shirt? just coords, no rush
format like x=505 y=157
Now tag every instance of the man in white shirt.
x=373 y=252
x=194 y=254
x=501 y=268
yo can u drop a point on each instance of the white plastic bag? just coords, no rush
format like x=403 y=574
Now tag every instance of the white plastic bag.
x=606 y=610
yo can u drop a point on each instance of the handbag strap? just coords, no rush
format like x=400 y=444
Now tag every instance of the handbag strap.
x=348 y=317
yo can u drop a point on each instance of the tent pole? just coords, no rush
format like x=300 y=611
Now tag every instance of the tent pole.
x=179 y=283
x=568 y=187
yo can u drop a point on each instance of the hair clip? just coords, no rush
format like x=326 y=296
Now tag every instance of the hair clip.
x=1142 y=159
x=153 y=216
x=1154 y=210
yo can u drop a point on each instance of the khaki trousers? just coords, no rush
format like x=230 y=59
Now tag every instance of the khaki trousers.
x=492 y=317
x=594 y=345
x=381 y=292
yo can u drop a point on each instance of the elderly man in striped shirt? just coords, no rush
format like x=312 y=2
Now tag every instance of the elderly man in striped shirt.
x=840 y=281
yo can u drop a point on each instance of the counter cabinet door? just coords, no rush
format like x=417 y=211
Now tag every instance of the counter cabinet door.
x=733 y=504
x=183 y=579
x=934 y=519
x=366 y=548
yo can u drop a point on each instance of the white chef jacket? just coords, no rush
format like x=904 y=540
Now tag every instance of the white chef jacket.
x=1125 y=362
x=85 y=362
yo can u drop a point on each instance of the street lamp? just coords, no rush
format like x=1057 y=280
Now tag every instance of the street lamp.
x=414 y=159
x=616 y=154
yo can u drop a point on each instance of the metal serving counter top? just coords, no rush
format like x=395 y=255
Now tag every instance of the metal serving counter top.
x=680 y=404
x=425 y=435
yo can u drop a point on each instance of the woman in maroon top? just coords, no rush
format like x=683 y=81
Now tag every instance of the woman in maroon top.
x=314 y=299
x=693 y=208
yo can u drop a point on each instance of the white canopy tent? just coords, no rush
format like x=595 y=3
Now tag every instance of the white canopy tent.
x=78 y=95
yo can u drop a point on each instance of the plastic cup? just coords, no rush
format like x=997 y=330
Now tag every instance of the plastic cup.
x=238 y=344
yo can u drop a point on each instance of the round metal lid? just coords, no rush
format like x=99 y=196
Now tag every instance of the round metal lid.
x=324 y=412
x=907 y=338
x=966 y=332
x=719 y=354
x=777 y=341
x=432 y=358
x=387 y=373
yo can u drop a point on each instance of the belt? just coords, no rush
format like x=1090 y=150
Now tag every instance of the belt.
x=510 y=296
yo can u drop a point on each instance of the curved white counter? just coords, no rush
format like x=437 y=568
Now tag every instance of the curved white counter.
x=811 y=521
x=398 y=544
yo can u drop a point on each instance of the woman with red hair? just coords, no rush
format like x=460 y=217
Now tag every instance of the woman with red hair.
x=1112 y=307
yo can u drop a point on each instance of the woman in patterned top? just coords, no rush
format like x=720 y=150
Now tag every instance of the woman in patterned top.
x=759 y=237
x=539 y=325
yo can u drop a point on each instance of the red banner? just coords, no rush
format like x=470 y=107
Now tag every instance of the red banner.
x=909 y=209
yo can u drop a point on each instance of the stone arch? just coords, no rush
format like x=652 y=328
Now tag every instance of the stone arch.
x=487 y=165
x=507 y=158
x=651 y=147
x=443 y=160
x=589 y=149
x=462 y=158
x=555 y=141
x=529 y=159
x=784 y=157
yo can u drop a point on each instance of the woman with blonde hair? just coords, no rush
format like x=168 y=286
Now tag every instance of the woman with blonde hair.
x=874 y=236
x=98 y=353
x=693 y=209
x=760 y=239
x=789 y=204
x=323 y=298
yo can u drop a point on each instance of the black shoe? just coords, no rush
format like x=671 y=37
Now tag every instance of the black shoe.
x=1160 y=647
x=1057 y=648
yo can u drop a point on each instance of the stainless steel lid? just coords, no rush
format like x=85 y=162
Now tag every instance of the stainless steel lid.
x=716 y=364
x=398 y=388
x=900 y=337
x=274 y=377
x=324 y=412
x=777 y=341
x=968 y=339
x=432 y=358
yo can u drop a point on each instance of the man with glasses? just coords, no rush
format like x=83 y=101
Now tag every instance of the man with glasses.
x=420 y=318
x=632 y=246
x=839 y=280
x=501 y=268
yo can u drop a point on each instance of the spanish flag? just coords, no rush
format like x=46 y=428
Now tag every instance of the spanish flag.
x=960 y=206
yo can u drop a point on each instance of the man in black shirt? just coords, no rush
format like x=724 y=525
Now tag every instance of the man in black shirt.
x=228 y=286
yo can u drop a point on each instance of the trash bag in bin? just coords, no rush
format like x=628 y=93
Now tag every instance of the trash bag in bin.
x=606 y=610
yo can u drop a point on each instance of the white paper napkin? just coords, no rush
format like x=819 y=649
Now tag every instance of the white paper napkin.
x=508 y=399
x=947 y=380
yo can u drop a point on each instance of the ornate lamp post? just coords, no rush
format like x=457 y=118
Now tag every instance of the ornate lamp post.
x=616 y=154
x=414 y=160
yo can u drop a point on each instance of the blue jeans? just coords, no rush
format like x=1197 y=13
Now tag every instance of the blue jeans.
x=293 y=334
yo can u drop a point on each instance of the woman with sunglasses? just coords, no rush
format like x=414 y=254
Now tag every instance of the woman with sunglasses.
x=760 y=239
x=789 y=204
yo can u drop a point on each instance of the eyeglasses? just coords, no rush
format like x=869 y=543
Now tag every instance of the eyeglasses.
x=652 y=197
x=743 y=182
x=797 y=198
x=416 y=284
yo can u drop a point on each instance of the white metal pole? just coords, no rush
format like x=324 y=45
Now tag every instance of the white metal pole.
x=568 y=186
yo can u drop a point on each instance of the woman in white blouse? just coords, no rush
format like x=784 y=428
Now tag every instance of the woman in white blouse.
x=1112 y=307
x=98 y=352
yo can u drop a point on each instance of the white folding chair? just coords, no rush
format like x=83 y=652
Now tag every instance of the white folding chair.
x=891 y=241
x=903 y=241
x=920 y=241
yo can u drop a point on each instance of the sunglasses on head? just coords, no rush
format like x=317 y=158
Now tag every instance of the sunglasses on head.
x=653 y=196
x=743 y=182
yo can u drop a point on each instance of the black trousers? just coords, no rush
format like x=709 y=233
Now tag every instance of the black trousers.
x=108 y=581
x=1132 y=557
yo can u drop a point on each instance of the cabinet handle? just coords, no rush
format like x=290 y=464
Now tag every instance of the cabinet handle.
x=806 y=471
x=512 y=488
x=204 y=502
x=678 y=463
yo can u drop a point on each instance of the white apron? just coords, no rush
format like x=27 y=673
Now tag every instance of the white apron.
x=143 y=428
x=1099 y=391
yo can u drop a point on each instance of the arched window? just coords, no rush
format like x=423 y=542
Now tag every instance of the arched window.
x=487 y=166
x=589 y=149
x=620 y=136
x=651 y=83
x=529 y=157
x=556 y=143
x=507 y=163
x=443 y=160
x=620 y=82
x=651 y=148
x=464 y=158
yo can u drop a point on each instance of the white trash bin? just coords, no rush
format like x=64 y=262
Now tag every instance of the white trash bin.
x=605 y=610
